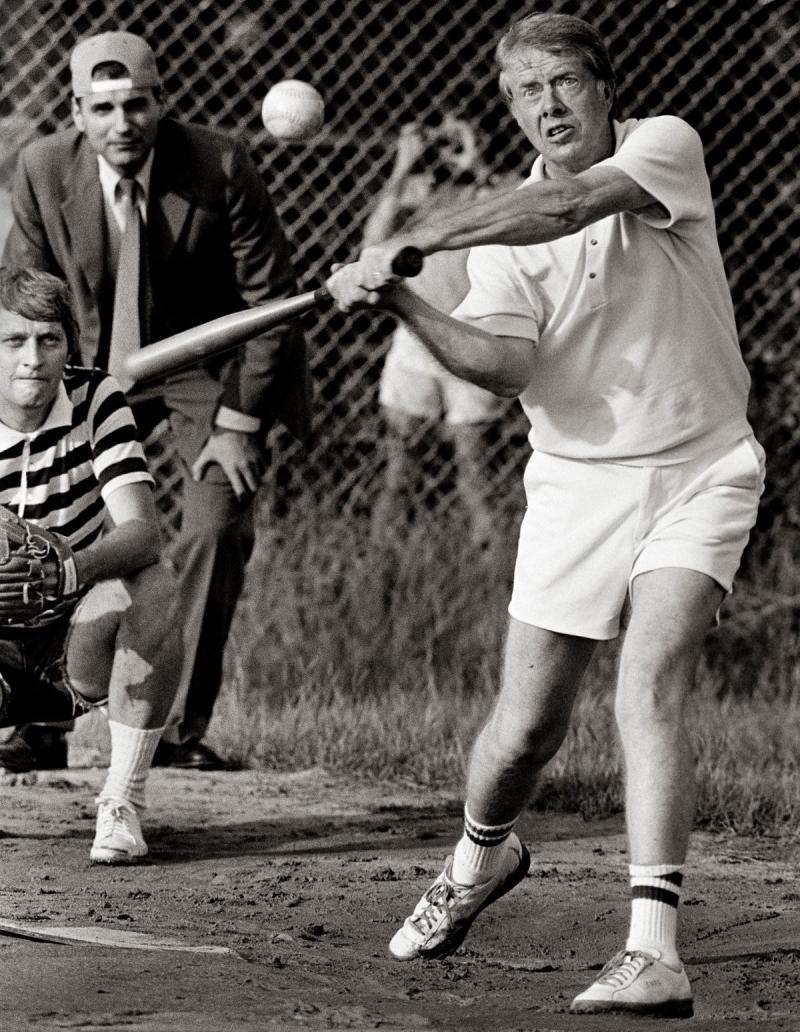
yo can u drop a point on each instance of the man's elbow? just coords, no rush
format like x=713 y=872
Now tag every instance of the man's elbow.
x=517 y=370
x=508 y=390
x=505 y=383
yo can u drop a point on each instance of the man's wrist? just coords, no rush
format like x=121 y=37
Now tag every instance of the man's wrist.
x=230 y=419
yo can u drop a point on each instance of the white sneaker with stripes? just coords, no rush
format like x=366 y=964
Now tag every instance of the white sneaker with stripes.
x=443 y=916
x=637 y=982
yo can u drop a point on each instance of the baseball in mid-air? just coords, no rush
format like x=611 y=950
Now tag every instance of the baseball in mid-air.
x=293 y=110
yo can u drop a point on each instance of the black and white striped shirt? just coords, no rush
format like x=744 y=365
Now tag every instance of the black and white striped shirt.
x=59 y=475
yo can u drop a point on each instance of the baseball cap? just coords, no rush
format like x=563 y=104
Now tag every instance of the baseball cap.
x=126 y=48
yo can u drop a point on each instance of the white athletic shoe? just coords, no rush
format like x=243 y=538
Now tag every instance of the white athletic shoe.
x=637 y=982
x=118 y=839
x=443 y=916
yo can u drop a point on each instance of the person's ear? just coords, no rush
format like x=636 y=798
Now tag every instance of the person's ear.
x=77 y=114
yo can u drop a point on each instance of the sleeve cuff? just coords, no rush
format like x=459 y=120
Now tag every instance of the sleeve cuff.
x=501 y=324
x=230 y=419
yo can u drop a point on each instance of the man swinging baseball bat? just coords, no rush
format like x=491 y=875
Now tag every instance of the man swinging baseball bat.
x=229 y=331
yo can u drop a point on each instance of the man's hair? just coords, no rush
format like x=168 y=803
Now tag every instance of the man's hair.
x=556 y=33
x=110 y=70
x=39 y=296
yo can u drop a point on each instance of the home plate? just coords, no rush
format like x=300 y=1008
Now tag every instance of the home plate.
x=105 y=937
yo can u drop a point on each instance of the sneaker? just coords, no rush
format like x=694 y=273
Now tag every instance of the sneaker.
x=443 y=916
x=118 y=839
x=637 y=982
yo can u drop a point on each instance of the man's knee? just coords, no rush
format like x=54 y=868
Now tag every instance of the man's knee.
x=650 y=697
x=541 y=674
x=147 y=624
x=148 y=649
x=150 y=585
x=511 y=741
x=136 y=617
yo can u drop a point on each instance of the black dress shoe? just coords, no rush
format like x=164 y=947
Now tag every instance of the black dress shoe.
x=190 y=755
x=34 y=748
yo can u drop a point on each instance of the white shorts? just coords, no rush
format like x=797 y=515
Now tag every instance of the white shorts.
x=591 y=527
x=429 y=391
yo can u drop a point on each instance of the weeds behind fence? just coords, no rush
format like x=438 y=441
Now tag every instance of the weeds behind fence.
x=382 y=657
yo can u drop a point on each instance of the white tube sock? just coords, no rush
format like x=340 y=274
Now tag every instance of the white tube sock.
x=480 y=851
x=655 y=890
x=132 y=750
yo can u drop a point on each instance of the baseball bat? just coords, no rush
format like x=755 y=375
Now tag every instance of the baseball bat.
x=193 y=346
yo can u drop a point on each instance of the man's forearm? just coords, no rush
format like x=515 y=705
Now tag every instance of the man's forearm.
x=532 y=214
x=502 y=365
x=124 y=549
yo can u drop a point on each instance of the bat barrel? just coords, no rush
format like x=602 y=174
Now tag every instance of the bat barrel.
x=193 y=346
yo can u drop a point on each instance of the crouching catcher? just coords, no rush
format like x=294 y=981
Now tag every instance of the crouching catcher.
x=85 y=603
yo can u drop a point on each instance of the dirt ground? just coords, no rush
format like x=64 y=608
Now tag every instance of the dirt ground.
x=303 y=878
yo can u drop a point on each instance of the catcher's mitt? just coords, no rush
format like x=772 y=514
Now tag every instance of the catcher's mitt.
x=38 y=574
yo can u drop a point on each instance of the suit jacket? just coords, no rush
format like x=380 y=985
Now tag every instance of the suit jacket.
x=215 y=246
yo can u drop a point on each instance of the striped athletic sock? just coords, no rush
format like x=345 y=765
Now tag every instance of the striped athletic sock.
x=132 y=750
x=480 y=851
x=655 y=890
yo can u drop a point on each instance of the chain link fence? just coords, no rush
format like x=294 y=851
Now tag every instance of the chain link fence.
x=730 y=69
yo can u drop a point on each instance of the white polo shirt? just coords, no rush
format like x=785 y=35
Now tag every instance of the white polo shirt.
x=638 y=359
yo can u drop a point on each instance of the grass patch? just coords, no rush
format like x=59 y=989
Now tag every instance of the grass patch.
x=383 y=661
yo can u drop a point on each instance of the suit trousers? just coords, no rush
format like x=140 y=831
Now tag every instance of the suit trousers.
x=208 y=555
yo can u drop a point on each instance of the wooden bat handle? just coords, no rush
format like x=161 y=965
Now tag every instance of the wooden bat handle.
x=408 y=262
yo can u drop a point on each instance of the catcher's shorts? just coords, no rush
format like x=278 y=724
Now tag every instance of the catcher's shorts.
x=591 y=527
x=431 y=392
x=35 y=684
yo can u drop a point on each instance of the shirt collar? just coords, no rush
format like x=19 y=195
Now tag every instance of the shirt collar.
x=59 y=416
x=109 y=177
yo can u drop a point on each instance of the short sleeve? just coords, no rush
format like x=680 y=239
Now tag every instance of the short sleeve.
x=117 y=455
x=664 y=155
x=500 y=300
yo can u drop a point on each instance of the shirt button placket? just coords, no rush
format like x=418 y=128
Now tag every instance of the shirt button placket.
x=593 y=280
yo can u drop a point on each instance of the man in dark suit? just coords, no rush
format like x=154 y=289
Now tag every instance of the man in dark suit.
x=158 y=226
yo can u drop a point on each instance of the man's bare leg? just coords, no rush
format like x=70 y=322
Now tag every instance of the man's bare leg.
x=125 y=645
x=671 y=611
x=542 y=672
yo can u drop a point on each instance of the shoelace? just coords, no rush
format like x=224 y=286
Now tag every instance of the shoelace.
x=112 y=814
x=439 y=897
x=623 y=968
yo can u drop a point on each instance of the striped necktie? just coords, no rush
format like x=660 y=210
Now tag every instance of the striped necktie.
x=126 y=329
